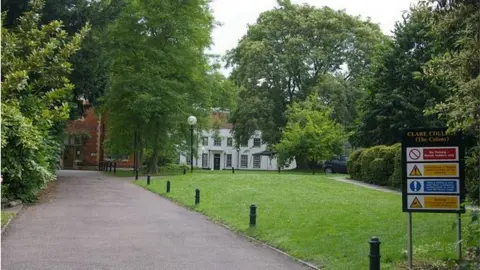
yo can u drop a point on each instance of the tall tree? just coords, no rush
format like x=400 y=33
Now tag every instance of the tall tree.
x=290 y=53
x=397 y=92
x=158 y=73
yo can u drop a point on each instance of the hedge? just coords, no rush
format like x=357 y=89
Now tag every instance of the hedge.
x=379 y=165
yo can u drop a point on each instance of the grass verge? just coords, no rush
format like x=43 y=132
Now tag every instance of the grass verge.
x=6 y=217
x=314 y=218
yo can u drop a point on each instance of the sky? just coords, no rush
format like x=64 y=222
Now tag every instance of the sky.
x=235 y=15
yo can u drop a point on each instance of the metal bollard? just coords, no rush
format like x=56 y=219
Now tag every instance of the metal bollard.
x=168 y=186
x=233 y=169
x=197 y=196
x=278 y=169
x=114 y=167
x=184 y=170
x=100 y=166
x=374 y=253
x=148 y=179
x=136 y=174
x=111 y=165
x=253 y=215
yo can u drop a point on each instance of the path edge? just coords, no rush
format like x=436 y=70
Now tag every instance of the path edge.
x=9 y=221
x=236 y=232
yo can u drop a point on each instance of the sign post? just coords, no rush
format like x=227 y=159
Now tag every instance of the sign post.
x=432 y=177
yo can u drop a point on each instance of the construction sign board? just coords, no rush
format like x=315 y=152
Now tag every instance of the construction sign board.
x=433 y=171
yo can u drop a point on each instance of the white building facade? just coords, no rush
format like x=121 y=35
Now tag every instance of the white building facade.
x=216 y=151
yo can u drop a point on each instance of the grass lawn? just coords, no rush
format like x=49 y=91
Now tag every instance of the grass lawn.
x=129 y=172
x=6 y=216
x=314 y=218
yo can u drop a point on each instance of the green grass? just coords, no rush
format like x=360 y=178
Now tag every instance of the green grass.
x=314 y=218
x=6 y=216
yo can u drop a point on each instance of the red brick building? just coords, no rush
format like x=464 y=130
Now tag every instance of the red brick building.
x=83 y=147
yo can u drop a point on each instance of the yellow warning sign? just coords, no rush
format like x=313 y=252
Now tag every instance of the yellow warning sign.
x=440 y=169
x=450 y=202
x=416 y=203
x=415 y=171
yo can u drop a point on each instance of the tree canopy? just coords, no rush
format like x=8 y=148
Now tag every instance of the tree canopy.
x=291 y=52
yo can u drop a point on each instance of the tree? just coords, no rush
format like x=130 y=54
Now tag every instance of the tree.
x=397 y=92
x=290 y=53
x=91 y=63
x=35 y=96
x=456 y=27
x=310 y=132
x=158 y=76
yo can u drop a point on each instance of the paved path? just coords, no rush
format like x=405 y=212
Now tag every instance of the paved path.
x=96 y=222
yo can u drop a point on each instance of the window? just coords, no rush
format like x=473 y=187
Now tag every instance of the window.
x=256 y=142
x=229 y=160
x=244 y=161
x=217 y=141
x=205 y=141
x=229 y=141
x=204 y=160
x=256 y=161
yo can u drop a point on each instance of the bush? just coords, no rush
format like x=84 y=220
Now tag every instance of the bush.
x=395 y=179
x=379 y=165
x=353 y=166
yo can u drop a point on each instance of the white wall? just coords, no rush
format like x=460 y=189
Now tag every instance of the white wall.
x=210 y=150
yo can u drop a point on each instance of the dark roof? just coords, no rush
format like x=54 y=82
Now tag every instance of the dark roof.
x=265 y=153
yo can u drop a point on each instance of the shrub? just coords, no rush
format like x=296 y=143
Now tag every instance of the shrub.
x=395 y=179
x=377 y=165
x=353 y=165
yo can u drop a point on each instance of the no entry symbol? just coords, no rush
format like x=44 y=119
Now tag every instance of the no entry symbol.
x=414 y=154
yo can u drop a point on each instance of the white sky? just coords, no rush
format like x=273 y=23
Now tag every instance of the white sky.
x=235 y=15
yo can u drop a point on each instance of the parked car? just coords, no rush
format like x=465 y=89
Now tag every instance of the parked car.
x=336 y=165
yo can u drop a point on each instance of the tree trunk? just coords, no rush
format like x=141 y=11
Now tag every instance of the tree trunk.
x=302 y=162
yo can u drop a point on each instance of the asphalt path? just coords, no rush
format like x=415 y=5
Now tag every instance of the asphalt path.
x=91 y=221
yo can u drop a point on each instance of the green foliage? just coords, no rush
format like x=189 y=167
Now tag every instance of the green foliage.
x=397 y=92
x=159 y=76
x=292 y=52
x=353 y=164
x=310 y=132
x=379 y=165
x=35 y=95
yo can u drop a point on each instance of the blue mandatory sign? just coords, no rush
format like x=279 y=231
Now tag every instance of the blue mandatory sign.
x=415 y=186
x=440 y=186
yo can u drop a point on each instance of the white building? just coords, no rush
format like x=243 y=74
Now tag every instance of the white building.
x=217 y=152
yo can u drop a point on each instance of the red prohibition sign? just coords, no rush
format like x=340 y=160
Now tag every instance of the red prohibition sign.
x=414 y=154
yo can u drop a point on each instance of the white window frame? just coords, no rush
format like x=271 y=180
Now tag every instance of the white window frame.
x=257 y=161
x=259 y=142
x=217 y=141
x=229 y=160
x=244 y=158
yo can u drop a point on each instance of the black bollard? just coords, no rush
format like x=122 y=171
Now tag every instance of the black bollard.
x=105 y=166
x=148 y=179
x=278 y=169
x=253 y=215
x=100 y=166
x=184 y=170
x=111 y=165
x=374 y=253
x=233 y=169
x=168 y=186
x=197 y=196
x=136 y=174
x=114 y=167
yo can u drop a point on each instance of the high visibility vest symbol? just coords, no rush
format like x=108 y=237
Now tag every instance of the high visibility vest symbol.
x=416 y=203
x=415 y=171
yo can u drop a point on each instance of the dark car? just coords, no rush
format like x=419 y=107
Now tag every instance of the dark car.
x=336 y=165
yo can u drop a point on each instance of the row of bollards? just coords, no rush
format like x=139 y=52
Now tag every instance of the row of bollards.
x=374 y=241
x=107 y=166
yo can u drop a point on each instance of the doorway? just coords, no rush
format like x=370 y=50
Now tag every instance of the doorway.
x=68 y=156
x=216 y=162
